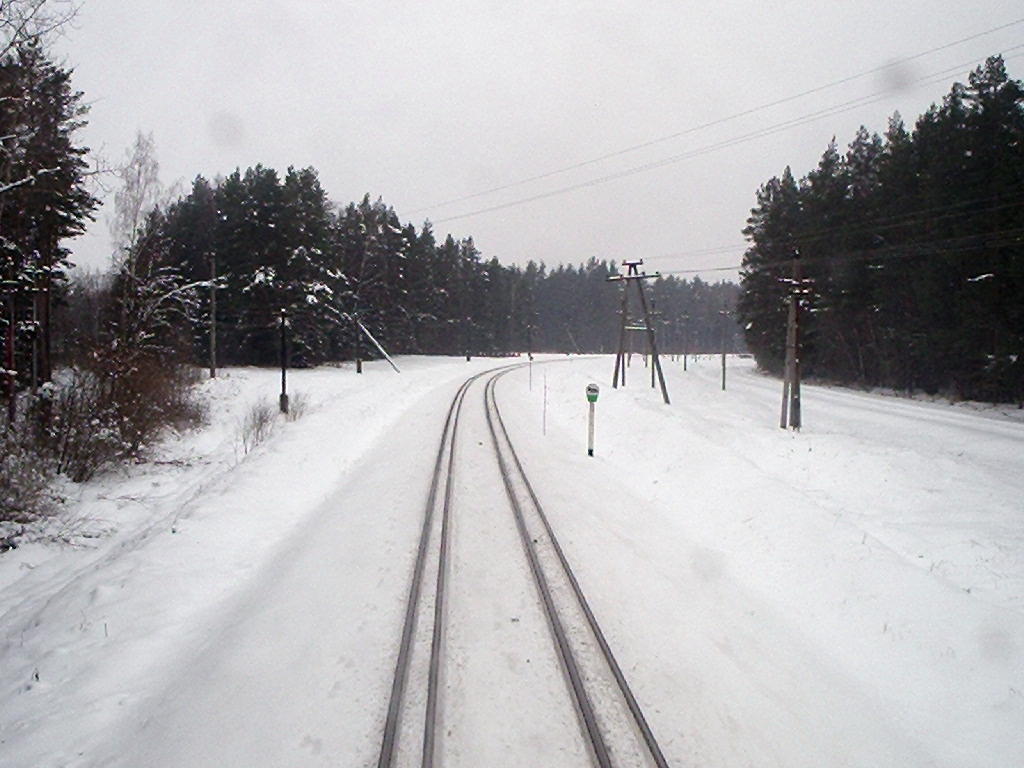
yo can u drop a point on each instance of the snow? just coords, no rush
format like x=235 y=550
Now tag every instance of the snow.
x=850 y=595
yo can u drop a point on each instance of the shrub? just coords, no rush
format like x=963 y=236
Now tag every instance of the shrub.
x=102 y=414
x=257 y=425
x=298 y=406
x=77 y=425
x=25 y=478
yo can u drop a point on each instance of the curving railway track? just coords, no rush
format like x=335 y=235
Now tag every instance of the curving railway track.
x=611 y=722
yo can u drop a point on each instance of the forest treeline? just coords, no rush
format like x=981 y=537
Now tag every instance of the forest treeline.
x=911 y=245
x=273 y=242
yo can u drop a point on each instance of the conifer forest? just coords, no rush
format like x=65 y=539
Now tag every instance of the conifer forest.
x=909 y=251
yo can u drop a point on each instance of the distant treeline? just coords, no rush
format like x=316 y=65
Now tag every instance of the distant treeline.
x=912 y=244
x=278 y=243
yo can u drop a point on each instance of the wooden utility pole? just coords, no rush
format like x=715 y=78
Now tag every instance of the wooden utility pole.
x=9 y=362
x=620 y=362
x=213 y=317
x=686 y=338
x=791 y=411
x=284 y=362
x=46 y=349
x=633 y=274
x=36 y=341
x=358 y=342
x=529 y=352
x=724 y=313
x=654 y=316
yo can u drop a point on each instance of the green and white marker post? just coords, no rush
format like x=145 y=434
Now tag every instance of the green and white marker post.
x=592 y=391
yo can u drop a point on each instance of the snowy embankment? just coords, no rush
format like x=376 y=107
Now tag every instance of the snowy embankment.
x=850 y=595
x=149 y=554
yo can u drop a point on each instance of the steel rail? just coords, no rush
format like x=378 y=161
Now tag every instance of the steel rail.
x=391 y=723
x=581 y=698
x=436 y=641
x=634 y=707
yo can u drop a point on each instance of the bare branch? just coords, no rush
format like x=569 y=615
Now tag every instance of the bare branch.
x=27 y=21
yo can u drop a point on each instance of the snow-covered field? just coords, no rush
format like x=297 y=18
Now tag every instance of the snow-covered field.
x=852 y=595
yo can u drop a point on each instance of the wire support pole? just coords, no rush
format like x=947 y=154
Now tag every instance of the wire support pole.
x=791 y=413
x=656 y=363
x=634 y=274
x=620 y=357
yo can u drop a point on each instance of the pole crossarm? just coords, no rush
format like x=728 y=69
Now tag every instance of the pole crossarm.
x=639 y=276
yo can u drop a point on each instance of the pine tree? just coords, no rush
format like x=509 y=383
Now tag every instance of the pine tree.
x=43 y=195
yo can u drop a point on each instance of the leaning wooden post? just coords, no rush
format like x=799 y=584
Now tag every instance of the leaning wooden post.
x=650 y=338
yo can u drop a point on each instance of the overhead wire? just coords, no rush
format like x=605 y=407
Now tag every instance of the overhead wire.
x=743 y=138
x=880 y=223
x=994 y=239
x=718 y=121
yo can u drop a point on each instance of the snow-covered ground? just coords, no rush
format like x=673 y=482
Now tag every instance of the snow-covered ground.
x=852 y=595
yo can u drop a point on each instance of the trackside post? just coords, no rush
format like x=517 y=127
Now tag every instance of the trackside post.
x=283 y=400
x=592 y=392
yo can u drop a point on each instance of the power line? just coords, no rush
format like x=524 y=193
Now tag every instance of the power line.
x=717 y=121
x=761 y=133
x=872 y=226
x=896 y=251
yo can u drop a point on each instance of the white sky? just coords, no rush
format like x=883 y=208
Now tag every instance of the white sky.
x=423 y=102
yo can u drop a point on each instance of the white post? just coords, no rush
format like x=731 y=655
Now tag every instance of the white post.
x=592 y=392
x=590 y=432
x=544 y=422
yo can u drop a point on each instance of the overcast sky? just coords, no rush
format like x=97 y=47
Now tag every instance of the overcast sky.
x=421 y=102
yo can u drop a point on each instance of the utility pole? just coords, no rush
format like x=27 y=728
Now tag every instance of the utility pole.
x=34 y=382
x=724 y=313
x=283 y=402
x=620 y=362
x=9 y=363
x=791 y=410
x=529 y=351
x=686 y=338
x=213 y=317
x=358 y=349
x=634 y=275
x=654 y=317
x=46 y=366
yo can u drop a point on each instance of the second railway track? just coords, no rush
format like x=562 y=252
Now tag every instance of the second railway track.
x=610 y=719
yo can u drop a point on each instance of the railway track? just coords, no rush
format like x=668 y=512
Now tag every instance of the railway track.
x=611 y=722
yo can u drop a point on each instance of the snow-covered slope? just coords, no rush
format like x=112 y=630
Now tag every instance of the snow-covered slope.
x=850 y=595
